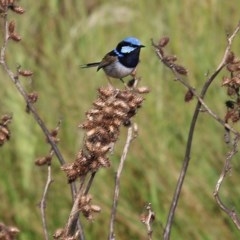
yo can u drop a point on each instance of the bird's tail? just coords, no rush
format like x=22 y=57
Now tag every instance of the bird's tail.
x=88 y=65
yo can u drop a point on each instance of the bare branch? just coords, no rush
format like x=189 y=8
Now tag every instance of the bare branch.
x=130 y=137
x=43 y=201
x=208 y=82
x=147 y=219
x=226 y=168
x=177 y=72
x=29 y=104
x=75 y=212
x=21 y=90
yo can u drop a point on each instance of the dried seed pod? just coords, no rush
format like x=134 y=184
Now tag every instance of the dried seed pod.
x=15 y=37
x=236 y=80
x=4 y=134
x=99 y=103
x=231 y=91
x=119 y=114
x=106 y=92
x=11 y=27
x=121 y=105
x=95 y=208
x=13 y=231
x=93 y=112
x=124 y=95
x=235 y=117
x=71 y=172
x=32 y=97
x=17 y=9
x=170 y=58
x=25 y=73
x=188 y=96
x=233 y=67
x=6 y=119
x=87 y=125
x=226 y=81
x=41 y=161
x=230 y=57
x=103 y=161
x=180 y=69
x=163 y=42
x=59 y=233
x=142 y=90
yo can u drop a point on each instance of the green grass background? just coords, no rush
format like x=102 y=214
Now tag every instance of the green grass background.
x=58 y=36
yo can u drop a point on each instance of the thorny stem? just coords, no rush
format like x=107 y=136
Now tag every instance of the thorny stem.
x=130 y=137
x=43 y=201
x=227 y=167
x=167 y=231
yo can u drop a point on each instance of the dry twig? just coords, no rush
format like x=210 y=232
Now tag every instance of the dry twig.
x=43 y=201
x=226 y=168
x=179 y=70
x=130 y=137
x=8 y=34
x=147 y=219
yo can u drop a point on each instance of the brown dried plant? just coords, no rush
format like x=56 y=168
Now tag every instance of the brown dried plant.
x=8 y=232
x=112 y=109
x=232 y=64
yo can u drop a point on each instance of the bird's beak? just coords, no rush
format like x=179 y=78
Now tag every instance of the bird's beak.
x=141 y=46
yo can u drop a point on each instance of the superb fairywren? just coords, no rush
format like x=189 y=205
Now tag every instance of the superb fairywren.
x=122 y=61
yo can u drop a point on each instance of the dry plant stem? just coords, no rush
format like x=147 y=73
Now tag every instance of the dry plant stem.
x=31 y=107
x=21 y=90
x=199 y=98
x=227 y=167
x=74 y=215
x=43 y=201
x=130 y=137
x=167 y=230
x=148 y=220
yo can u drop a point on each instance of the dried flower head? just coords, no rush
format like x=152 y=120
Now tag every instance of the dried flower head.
x=112 y=109
x=8 y=232
x=4 y=129
x=87 y=208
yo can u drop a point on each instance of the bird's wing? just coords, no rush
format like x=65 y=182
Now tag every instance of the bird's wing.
x=107 y=60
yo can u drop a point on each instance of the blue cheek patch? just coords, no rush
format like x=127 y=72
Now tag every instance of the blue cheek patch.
x=127 y=49
x=118 y=53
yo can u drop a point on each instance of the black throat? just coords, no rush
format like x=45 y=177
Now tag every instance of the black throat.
x=130 y=59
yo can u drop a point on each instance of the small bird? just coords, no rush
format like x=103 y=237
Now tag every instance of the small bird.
x=122 y=61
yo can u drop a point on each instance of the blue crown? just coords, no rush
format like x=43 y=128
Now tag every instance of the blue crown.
x=132 y=40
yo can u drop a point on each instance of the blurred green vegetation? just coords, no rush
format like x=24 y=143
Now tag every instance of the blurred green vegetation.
x=58 y=36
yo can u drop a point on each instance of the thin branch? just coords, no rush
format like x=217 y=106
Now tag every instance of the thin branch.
x=227 y=167
x=147 y=219
x=166 y=234
x=130 y=137
x=194 y=92
x=74 y=214
x=43 y=201
x=21 y=90
x=30 y=105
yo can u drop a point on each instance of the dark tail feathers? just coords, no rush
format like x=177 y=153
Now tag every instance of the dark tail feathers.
x=88 y=65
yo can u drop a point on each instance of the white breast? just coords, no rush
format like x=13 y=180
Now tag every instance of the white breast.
x=117 y=70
